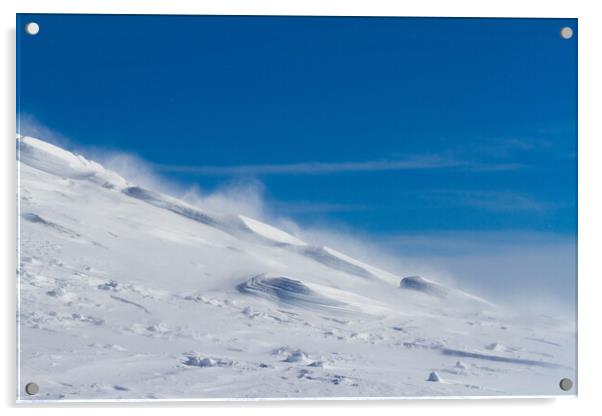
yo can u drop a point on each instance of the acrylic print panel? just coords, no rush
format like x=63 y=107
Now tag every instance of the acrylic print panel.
x=216 y=207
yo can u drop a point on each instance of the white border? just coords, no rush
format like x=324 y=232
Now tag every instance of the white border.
x=508 y=8
x=590 y=206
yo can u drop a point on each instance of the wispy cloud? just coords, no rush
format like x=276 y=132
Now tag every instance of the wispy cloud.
x=320 y=168
x=313 y=207
x=493 y=201
x=506 y=202
x=498 y=149
x=505 y=147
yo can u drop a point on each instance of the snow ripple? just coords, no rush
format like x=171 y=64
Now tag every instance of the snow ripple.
x=287 y=291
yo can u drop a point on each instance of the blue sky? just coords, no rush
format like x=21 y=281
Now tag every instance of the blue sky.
x=386 y=125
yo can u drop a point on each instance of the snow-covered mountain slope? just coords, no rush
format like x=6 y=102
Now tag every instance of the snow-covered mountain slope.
x=128 y=293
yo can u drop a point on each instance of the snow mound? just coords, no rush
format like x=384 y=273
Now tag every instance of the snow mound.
x=287 y=291
x=171 y=204
x=494 y=346
x=54 y=160
x=194 y=359
x=271 y=233
x=311 y=296
x=434 y=376
x=36 y=219
x=338 y=261
x=422 y=285
x=111 y=286
x=292 y=355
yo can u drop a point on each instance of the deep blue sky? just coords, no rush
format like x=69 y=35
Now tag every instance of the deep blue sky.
x=417 y=124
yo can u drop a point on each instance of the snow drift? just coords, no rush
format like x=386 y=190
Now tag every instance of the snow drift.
x=125 y=292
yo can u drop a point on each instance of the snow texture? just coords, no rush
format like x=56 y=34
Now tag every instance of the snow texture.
x=127 y=293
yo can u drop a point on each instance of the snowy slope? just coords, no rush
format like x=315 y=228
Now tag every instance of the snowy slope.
x=128 y=293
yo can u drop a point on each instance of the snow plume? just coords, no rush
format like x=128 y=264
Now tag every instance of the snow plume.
x=159 y=287
x=246 y=197
x=505 y=266
x=135 y=171
x=29 y=125
x=529 y=272
x=234 y=197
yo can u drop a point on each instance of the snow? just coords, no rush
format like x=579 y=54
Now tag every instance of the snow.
x=430 y=288
x=434 y=376
x=126 y=293
x=194 y=359
x=52 y=159
x=270 y=232
x=370 y=269
x=460 y=365
x=287 y=291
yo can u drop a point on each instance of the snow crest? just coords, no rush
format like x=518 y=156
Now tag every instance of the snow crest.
x=54 y=160
x=129 y=293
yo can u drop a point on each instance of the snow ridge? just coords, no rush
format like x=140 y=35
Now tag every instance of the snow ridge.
x=127 y=293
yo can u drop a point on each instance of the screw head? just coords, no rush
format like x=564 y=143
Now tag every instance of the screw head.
x=32 y=389
x=566 y=384
x=32 y=28
x=566 y=32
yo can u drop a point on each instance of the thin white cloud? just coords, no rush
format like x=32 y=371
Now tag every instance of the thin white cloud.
x=314 y=207
x=494 y=201
x=321 y=168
